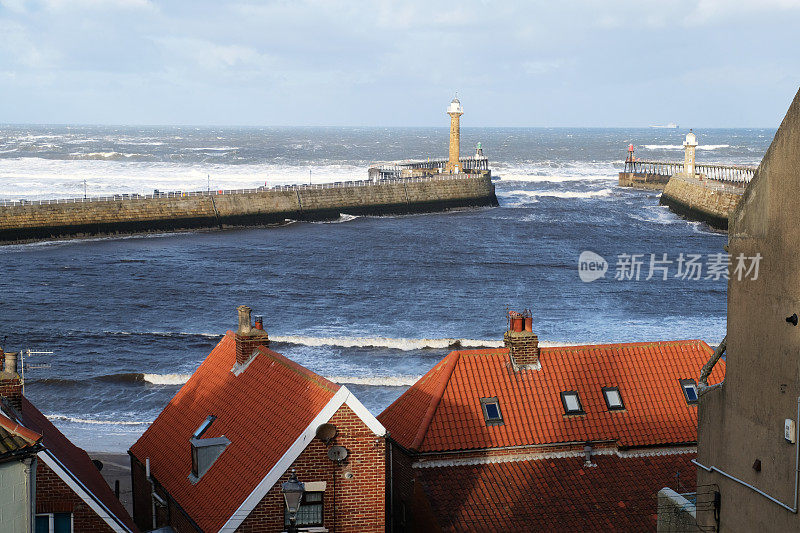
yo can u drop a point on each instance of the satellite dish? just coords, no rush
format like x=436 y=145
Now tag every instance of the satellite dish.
x=337 y=453
x=325 y=432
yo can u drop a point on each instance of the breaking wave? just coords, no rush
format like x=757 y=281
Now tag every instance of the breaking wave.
x=680 y=146
x=376 y=381
x=385 y=342
x=343 y=217
x=107 y=156
x=562 y=194
x=65 y=418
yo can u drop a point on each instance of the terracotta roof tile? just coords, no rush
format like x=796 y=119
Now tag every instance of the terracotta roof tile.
x=15 y=438
x=262 y=412
x=618 y=494
x=442 y=410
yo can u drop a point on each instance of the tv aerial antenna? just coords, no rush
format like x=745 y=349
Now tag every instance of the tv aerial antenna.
x=26 y=354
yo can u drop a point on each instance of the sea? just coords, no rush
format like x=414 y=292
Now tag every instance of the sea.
x=369 y=302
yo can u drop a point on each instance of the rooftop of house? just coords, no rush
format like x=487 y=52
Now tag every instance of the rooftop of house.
x=627 y=395
x=615 y=493
x=258 y=411
x=68 y=461
x=16 y=439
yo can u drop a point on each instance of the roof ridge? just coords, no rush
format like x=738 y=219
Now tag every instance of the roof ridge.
x=18 y=429
x=436 y=399
x=304 y=372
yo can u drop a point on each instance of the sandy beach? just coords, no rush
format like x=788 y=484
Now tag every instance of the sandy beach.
x=117 y=467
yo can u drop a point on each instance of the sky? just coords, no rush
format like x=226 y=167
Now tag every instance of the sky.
x=701 y=63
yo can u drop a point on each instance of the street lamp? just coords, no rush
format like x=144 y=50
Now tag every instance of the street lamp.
x=293 y=493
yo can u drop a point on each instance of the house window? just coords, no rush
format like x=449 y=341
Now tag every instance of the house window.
x=689 y=390
x=491 y=411
x=613 y=398
x=572 y=405
x=310 y=511
x=54 y=523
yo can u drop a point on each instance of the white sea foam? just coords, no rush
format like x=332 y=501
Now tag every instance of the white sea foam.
x=75 y=420
x=680 y=146
x=343 y=217
x=658 y=214
x=562 y=194
x=385 y=342
x=167 y=379
x=34 y=178
x=554 y=179
x=376 y=381
x=105 y=156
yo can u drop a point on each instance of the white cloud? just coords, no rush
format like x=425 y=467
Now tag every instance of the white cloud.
x=73 y=5
x=213 y=56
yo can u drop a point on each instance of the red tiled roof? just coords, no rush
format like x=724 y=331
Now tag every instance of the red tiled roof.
x=75 y=460
x=619 y=494
x=442 y=410
x=262 y=412
x=15 y=438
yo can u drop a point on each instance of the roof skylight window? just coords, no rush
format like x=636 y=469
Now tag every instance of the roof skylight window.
x=491 y=411
x=689 y=387
x=204 y=426
x=613 y=398
x=572 y=404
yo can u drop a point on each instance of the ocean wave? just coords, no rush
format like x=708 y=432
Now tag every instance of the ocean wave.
x=529 y=178
x=680 y=146
x=343 y=217
x=65 y=418
x=213 y=149
x=385 y=342
x=562 y=194
x=106 y=156
x=376 y=381
x=656 y=215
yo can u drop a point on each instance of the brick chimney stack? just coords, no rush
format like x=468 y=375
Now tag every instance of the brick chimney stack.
x=521 y=342
x=248 y=338
x=10 y=382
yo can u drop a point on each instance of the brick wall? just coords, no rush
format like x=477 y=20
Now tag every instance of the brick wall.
x=355 y=495
x=354 y=499
x=11 y=390
x=53 y=495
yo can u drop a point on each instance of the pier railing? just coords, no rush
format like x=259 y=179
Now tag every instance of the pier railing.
x=733 y=174
x=185 y=194
x=395 y=169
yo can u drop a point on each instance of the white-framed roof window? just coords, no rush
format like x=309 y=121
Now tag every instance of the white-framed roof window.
x=689 y=387
x=491 y=411
x=572 y=403
x=613 y=398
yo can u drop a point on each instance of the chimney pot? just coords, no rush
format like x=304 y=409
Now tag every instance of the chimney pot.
x=521 y=342
x=249 y=338
x=244 y=320
x=10 y=381
x=10 y=362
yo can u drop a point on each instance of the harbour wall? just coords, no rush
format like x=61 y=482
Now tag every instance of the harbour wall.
x=32 y=221
x=642 y=180
x=701 y=199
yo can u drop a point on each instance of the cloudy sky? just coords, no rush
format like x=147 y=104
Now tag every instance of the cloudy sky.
x=700 y=63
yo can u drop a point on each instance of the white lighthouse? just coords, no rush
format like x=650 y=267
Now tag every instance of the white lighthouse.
x=689 y=146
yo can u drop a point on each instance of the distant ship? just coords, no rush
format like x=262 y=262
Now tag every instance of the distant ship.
x=670 y=126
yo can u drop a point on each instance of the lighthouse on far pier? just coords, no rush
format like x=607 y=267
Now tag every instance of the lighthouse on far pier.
x=455 y=111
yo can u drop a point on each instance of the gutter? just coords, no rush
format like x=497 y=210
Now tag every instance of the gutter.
x=761 y=492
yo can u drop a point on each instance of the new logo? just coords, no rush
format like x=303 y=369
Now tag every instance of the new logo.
x=591 y=266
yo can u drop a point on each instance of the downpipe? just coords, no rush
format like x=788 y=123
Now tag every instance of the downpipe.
x=761 y=492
